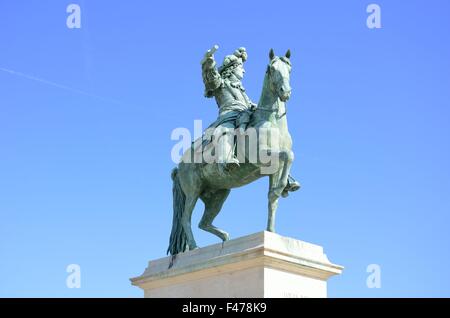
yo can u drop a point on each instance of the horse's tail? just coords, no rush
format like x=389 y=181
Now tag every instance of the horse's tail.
x=178 y=238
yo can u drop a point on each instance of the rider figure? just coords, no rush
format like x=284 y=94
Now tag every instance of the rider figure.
x=235 y=107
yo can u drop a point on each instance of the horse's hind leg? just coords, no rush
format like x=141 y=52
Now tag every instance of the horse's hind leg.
x=213 y=204
x=189 y=206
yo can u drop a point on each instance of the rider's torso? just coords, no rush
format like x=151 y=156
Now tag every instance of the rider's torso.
x=231 y=97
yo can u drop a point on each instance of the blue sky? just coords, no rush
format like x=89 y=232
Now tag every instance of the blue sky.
x=86 y=117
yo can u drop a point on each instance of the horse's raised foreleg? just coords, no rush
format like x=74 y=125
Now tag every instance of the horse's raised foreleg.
x=213 y=204
x=281 y=177
x=288 y=157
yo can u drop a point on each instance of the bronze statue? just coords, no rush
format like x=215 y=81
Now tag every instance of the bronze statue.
x=234 y=162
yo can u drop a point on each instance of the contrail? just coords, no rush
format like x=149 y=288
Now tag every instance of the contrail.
x=44 y=81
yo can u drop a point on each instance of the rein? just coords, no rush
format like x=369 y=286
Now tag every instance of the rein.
x=278 y=117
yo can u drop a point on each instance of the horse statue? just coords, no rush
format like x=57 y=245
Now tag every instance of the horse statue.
x=192 y=180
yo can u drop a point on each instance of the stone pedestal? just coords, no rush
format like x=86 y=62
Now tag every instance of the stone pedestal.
x=259 y=265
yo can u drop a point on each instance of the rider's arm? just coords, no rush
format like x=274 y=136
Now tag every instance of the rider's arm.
x=211 y=77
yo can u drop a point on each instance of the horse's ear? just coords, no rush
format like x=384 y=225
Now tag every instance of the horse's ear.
x=288 y=54
x=271 y=54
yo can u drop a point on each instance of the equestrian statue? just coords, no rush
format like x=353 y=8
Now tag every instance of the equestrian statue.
x=246 y=142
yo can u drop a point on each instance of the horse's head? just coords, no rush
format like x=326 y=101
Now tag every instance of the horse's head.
x=279 y=71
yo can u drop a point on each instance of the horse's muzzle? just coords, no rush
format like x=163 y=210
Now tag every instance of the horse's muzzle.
x=285 y=96
x=285 y=93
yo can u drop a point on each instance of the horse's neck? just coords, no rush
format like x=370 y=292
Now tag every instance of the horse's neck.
x=270 y=102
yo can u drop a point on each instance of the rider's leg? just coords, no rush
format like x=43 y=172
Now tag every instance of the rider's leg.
x=225 y=146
